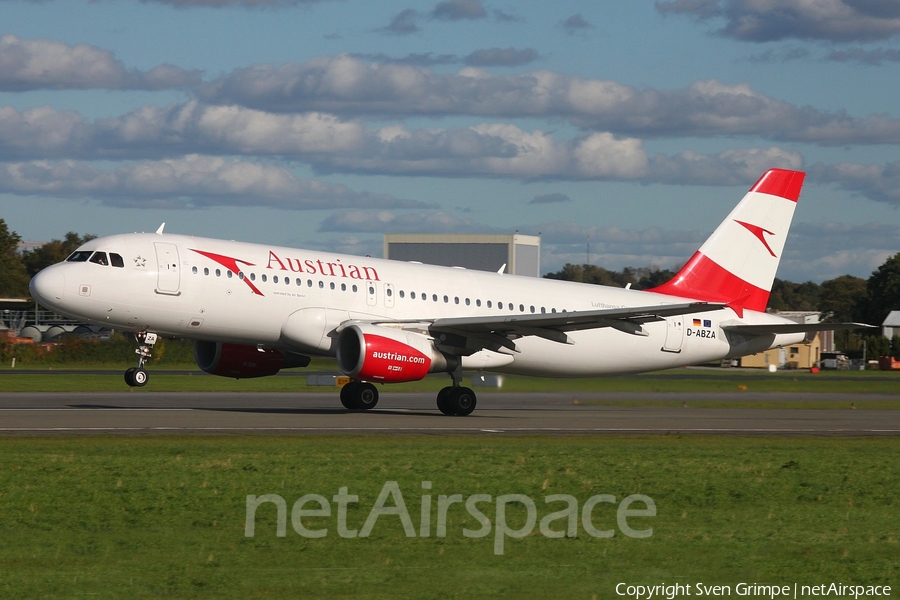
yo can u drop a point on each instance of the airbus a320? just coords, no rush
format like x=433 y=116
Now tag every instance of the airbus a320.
x=254 y=309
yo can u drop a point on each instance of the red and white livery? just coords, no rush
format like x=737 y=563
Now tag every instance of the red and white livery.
x=254 y=309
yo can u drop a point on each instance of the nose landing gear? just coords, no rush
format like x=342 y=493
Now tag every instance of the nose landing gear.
x=137 y=376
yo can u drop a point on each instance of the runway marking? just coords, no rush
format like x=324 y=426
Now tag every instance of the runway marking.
x=461 y=429
x=105 y=409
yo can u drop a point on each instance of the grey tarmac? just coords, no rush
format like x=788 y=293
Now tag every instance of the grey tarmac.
x=142 y=413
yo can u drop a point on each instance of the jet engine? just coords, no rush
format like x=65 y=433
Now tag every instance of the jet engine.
x=243 y=362
x=373 y=353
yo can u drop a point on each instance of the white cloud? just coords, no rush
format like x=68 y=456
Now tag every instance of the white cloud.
x=346 y=86
x=767 y=20
x=876 y=182
x=48 y=64
x=190 y=182
x=601 y=155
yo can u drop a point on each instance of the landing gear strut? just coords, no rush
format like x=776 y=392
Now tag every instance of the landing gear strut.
x=137 y=376
x=359 y=395
x=455 y=399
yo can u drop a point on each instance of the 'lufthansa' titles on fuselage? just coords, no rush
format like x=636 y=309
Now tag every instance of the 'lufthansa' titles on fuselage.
x=333 y=268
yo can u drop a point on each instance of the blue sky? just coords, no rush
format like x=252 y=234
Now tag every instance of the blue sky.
x=632 y=126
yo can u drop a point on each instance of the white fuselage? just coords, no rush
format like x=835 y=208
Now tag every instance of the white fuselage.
x=293 y=300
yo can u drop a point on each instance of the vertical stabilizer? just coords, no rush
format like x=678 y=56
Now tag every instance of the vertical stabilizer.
x=737 y=264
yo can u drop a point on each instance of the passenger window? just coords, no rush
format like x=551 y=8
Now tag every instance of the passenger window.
x=446 y=299
x=116 y=261
x=79 y=256
x=206 y=270
x=390 y=292
x=331 y=285
x=521 y=308
x=532 y=309
x=321 y=285
x=355 y=288
x=274 y=278
x=468 y=302
x=500 y=305
x=456 y=300
x=489 y=304
x=252 y=276
x=218 y=272
x=402 y=294
x=264 y=278
x=434 y=297
x=309 y=283
x=299 y=281
x=228 y=273
x=99 y=258
x=194 y=270
x=478 y=303
x=344 y=287
x=287 y=281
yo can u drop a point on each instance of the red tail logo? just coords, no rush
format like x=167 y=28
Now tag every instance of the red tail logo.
x=758 y=232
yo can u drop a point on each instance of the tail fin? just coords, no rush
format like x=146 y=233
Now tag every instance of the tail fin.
x=737 y=264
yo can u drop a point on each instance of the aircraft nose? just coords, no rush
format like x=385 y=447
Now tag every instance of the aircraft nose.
x=47 y=286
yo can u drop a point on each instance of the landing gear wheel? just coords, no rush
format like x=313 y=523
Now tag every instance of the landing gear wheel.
x=348 y=395
x=366 y=396
x=358 y=395
x=462 y=401
x=443 y=400
x=136 y=377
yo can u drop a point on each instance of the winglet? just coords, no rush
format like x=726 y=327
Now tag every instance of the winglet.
x=160 y=230
x=503 y=268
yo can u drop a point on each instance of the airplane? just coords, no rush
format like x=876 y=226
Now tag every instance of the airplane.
x=254 y=309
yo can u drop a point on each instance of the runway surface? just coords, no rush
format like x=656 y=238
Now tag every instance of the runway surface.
x=137 y=413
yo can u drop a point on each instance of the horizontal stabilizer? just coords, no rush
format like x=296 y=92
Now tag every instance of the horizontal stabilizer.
x=777 y=328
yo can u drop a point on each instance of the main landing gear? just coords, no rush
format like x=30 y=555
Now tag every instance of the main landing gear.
x=458 y=401
x=137 y=376
x=359 y=395
x=455 y=400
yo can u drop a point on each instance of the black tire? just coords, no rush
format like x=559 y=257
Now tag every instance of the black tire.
x=129 y=377
x=348 y=396
x=443 y=401
x=366 y=396
x=462 y=401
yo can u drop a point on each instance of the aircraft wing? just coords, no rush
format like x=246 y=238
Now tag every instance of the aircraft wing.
x=464 y=335
x=792 y=328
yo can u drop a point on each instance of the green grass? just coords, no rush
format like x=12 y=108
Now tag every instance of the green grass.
x=163 y=517
x=677 y=380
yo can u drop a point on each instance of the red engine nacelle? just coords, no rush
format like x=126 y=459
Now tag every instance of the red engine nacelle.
x=373 y=353
x=243 y=362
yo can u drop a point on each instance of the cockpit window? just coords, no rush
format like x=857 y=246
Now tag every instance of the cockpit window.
x=100 y=258
x=79 y=256
x=116 y=260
